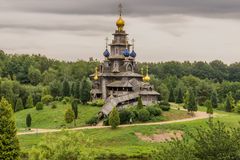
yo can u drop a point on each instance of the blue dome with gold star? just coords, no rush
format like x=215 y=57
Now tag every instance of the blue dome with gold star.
x=106 y=53
x=126 y=53
x=133 y=54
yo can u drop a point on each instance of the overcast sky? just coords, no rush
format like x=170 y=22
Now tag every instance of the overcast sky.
x=164 y=30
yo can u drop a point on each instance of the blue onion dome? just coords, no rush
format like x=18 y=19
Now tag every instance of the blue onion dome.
x=106 y=53
x=126 y=53
x=133 y=54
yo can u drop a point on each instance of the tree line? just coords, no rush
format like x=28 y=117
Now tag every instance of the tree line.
x=26 y=77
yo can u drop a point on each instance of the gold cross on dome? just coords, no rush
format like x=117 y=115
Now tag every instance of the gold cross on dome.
x=120 y=9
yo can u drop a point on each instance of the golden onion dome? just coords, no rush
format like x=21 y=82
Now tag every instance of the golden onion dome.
x=147 y=78
x=120 y=23
x=96 y=74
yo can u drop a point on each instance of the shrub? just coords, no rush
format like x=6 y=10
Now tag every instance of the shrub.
x=67 y=99
x=58 y=98
x=54 y=105
x=154 y=111
x=47 y=99
x=143 y=115
x=165 y=106
x=106 y=121
x=164 y=103
x=97 y=102
x=39 y=106
x=69 y=115
x=100 y=102
x=92 y=121
x=125 y=116
x=114 y=119
x=64 y=101
x=66 y=146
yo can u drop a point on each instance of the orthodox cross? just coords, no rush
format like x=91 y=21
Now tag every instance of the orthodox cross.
x=133 y=40
x=106 y=42
x=120 y=9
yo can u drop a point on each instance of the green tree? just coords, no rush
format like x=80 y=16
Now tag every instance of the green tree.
x=49 y=76
x=186 y=99
x=85 y=91
x=171 y=96
x=214 y=100
x=114 y=119
x=179 y=96
x=55 y=88
x=140 y=103
x=65 y=89
x=28 y=121
x=204 y=90
x=73 y=86
x=209 y=109
x=228 y=106
x=238 y=107
x=75 y=110
x=77 y=90
x=191 y=105
x=29 y=103
x=69 y=115
x=229 y=103
x=34 y=75
x=19 y=105
x=164 y=92
x=9 y=145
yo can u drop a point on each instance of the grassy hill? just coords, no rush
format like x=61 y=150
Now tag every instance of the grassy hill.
x=124 y=140
x=54 y=118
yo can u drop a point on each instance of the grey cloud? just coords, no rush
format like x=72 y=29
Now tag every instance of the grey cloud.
x=72 y=28
x=206 y=8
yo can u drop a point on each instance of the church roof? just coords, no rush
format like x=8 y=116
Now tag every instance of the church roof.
x=120 y=84
x=149 y=93
x=121 y=74
x=113 y=102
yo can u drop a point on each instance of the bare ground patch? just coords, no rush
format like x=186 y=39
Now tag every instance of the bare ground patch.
x=161 y=137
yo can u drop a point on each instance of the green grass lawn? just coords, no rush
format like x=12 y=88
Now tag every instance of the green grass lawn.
x=124 y=141
x=54 y=118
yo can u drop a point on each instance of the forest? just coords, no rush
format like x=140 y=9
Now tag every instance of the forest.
x=36 y=77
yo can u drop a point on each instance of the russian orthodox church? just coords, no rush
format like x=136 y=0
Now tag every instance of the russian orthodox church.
x=116 y=80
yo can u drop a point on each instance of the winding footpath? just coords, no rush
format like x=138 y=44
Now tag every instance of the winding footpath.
x=198 y=115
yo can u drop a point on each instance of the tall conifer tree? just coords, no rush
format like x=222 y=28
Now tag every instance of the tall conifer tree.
x=65 y=89
x=9 y=145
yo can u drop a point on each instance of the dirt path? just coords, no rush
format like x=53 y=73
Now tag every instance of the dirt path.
x=198 y=115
